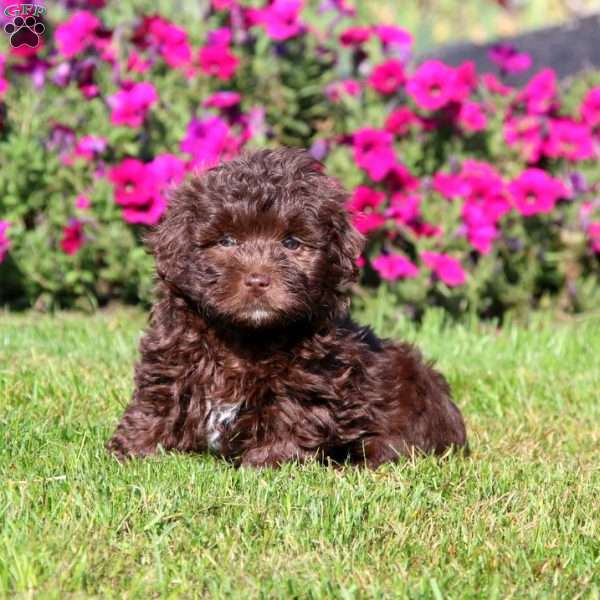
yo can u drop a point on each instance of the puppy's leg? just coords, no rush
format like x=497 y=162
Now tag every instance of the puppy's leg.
x=155 y=414
x=274 y=454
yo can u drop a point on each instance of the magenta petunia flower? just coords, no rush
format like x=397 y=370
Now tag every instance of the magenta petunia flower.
x=171 y=41
x=404 y=208
x=137 y=64
x=218 y=61
x=472 y=117
x=281 y=19
x=590 y=107
x=593 y=232
x=208 y=140
x=83 y=202
x=373 y=152
x=480 y=226
x=569 y=139
x=146 y=214
x=5 y=243
x=400 y=179
x=355 y=36
x=388 y=77
x=73 y=238
x=338 y=89
x=395 y=39
x=509 y=59
x=400 y=121
x=539 y=95
x=166 y=170
x=535 y=192
x=3 y=82
x=365 y=199
x=131 y=103
x=448 y=269
x=432 y=85
x=495 y=86
x=133 y=185
x=364 y=205
x=394 y=266
x=90 y=146
x=76 y=33
x=219 y=37
x=222 y=100
x=527 y=134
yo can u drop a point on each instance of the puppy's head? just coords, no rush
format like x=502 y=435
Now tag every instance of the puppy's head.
x=259 y=241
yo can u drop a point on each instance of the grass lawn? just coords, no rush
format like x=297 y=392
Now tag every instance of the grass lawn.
x=519 y=518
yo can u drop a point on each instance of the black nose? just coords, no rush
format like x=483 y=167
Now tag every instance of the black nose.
x=258 y=280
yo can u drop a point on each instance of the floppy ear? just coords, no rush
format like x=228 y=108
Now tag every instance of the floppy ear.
x=345 y=247
x=345 y=242
x=170 y=241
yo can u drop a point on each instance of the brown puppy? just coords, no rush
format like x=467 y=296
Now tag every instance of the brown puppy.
x=250 y=352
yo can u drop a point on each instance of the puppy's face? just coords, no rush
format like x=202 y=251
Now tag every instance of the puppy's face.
x=260 y=267
x=259 y=241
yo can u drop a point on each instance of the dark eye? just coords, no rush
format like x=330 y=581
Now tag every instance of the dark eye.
x=291 y=243
x=228 y=241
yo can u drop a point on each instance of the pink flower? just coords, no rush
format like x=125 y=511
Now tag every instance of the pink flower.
x=539 y=94
x=465 y=81
x=137 y=64
x=593 y=232
x=147 y=214
x=220 y=37
x=367 y=222
x=355 y=36
x=394 y=266
x=364 y=199
x=395 y=39
x=448 y=269
x=400 y=179
x=77 y=33
x=90 y=146
x=171 y=41
x=131 y=104
x=208 y=140
x=526 y=133
x=3 y=82
x=534 y=192
x=387 y=77
x=138 y=190
x=495 y=86
x=364 y=204
x=399 y=121
x=281 y=19
x=338 y=89
x=472 y=117
x=222 y=100
x=72 y=239
x=509 y=59
x=590 y=107
x=569 y=139
x=5 y=243
x=133 y=186
x=166 y=170
x=432 y=86
x=223 y=4
x=481 y=228
x=82 y=202
x=450 y=185
x=218 y=61
x=373 y=152
x=404 y=208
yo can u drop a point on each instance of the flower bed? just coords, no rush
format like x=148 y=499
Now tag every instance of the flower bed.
x=472 y=195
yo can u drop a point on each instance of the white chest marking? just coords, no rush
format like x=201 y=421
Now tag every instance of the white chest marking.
x=217 y=419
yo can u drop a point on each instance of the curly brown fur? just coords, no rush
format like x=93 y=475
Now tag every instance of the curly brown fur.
x=250 y=352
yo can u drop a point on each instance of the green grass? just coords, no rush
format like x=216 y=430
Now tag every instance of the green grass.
x=519 y=518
